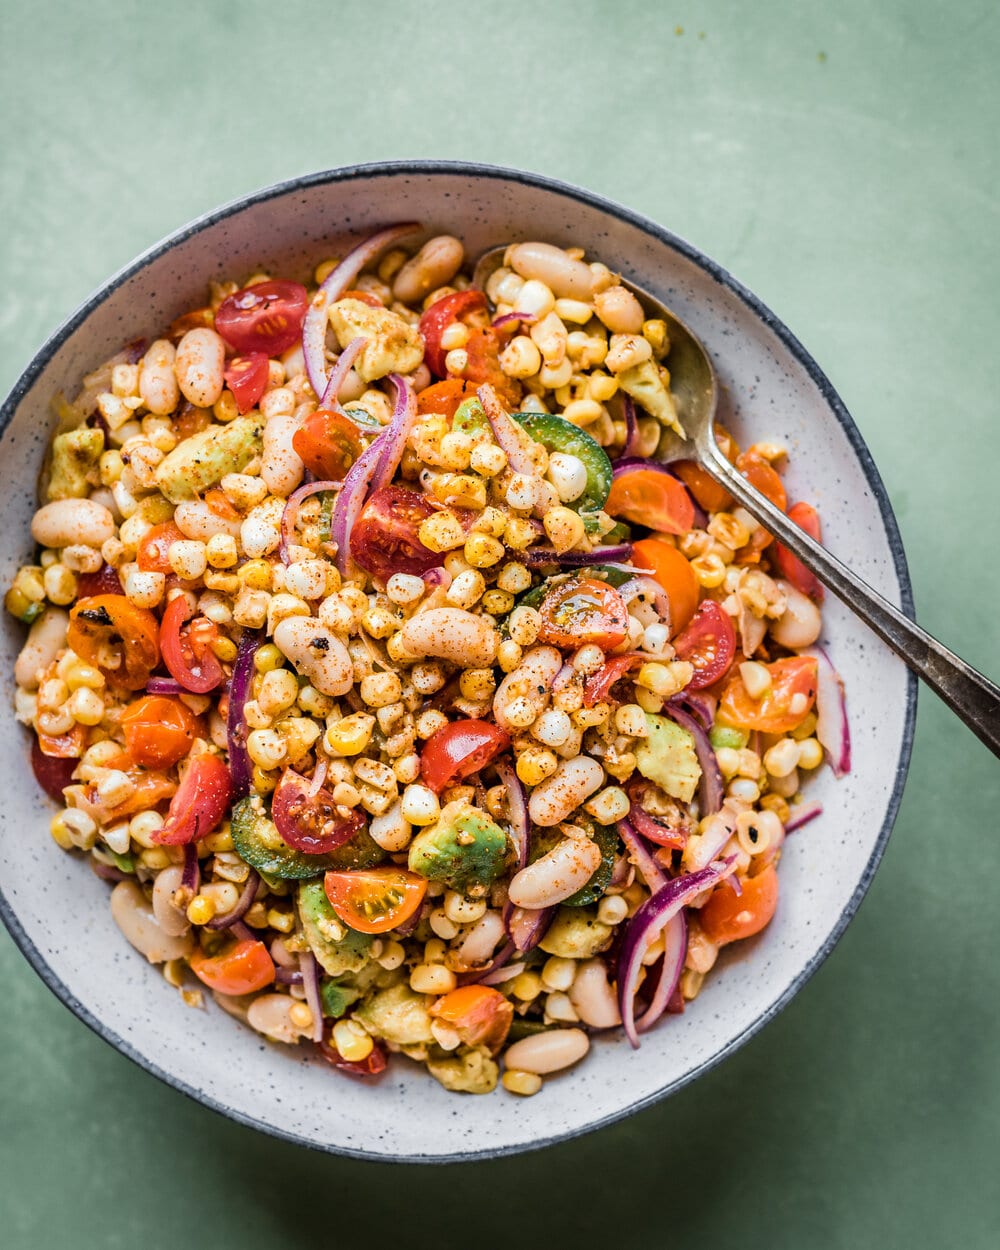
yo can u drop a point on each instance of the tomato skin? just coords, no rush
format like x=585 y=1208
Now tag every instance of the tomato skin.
x=52 y=772
x=598 y=687
x=67 y=746
x=311 y=825
x=459 y=749
x=159 y=730
x=384 y=539
x=791 y=567
x=653 y=498
x=709 y=643
x=201 y=801
x=240 y=969
x=374 y=1065
x=444 y=398
x=266 y=317
x=583 y=611
x=770 y=714
x=246 y=376
x=479 y=1014
x=104 y=582
x=186 y=648
x=482 y=350
x=758 y=473
x=707 y=492
x=374 y=900
x=729 y=917
x=674 y=573
x=110 y=620
x=439 y=317
x=154 y=547
x=328 y=443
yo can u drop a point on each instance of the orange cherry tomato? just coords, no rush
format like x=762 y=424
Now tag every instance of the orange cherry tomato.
x=117 y=637
x=652 y=498
x=191 y=420
x=67 y=746
x=482 y=350
x=187 y=647
x=674 y=573
x=241 y=968
x=374 y=900
x=583 y=611
x=783 y=706
x=158 y=730
x=201 y=801
x=246 y=376
x=759 y=473
x=154 y=548
x=328 y=443
x=150 y=790
x=480 y=1015
x=728 y=916
x=791 y=567
x=373 y=1066
x=706 y=490
x=219 y=503
x=598 y=687
x=444 y=397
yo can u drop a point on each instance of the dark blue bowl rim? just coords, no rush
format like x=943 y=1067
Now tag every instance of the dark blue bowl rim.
x=432 y=168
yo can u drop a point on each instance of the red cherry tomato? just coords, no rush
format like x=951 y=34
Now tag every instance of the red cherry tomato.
x=201 y=801
x=158 y=730
x=482 y=350
x=373 y=1065
x=709 y=643
x=374 y=900
x=674 y=573
x=310 y=823
x=584 y=611
x=652 y=498
x=242 y=968
x=266 y=317
x=458 y=750
x=52 y=772
x=791 y=567
x=782 y=707
x=246 y=376
x=117 y=637
x=480 y=1015
x=384 y=539
x=598 y=687
x=187 y=647
x=104 y=582
x=328 y=443
x=729 y=917
x=439 y=317
x=154 y=548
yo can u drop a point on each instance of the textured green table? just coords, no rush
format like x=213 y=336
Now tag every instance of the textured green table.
x=842 y=161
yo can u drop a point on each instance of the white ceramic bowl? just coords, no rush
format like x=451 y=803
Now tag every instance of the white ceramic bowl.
x=57 y=910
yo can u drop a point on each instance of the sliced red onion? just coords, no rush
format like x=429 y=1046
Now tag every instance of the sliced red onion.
x=351 y=500
x=637 y=586
x=649 y=827
x=288 y=976
x=643 y=929
x=518 y=807
x=107 y=873
x=506 y=318
x=236 y=726
x=243 y=904
x=393 y=440
x=675 y=939
x=290 y=514
x=310 y=983
x=340 y=371
x=701 y=705
x=527 y=926
x=243 y=932
x=576 y=559
x=736 y=883
x=801 y=815
x=164 y=685
x=507 y=432
x=640 y=855
x=710 y=788
x=191 y=876
x=316 y=780
x=336 y=283
x=631 y=449
x=832 y=729
x=499 y=975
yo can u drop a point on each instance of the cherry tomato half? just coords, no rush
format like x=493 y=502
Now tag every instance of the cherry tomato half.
x=310 y=823
x=150 y=789
x=328 y=443
x=652 y=498
x=374 y=900
x=791 y=567
x=584 y=611
x=241 y=968
x=117 y=637
x=373 y=1065
x=104 y=582
x=384 y=539
x=480 y=1015
x=598 y=687
x=783 y=706
x=187 y=647
x=246 y=376
x=52 y=772
x=728 y=916
x=439 y=317
x=201 y=801
x=707 y=492
x=674 y=573
x=709 y=643
x=482 y=350
x=445 y=397
x=266 y=317
x=67 y=746
x=457 y=750
x=158 y=730
x=154 y=548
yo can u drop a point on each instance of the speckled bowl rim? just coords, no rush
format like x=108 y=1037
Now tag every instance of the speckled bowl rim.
x=431 y=168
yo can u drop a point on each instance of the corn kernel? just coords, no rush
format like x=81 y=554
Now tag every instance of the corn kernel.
x=432 y=979
x=351 y=1041
x=535 y=764
x=482 y=551
x=756 y=679
x=442 y=532
x=350 y=735
x=255 y=575
x=523 y=1083
x=810 y=753
x=201 y=909
x=564 y=528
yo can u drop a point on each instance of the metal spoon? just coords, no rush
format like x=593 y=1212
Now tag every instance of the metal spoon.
x=973 y=697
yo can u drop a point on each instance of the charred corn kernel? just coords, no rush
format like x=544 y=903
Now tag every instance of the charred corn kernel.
x=664 y=680
x=601 y=387
x=524 y=624
x=283 y=921
x=441 y=532
x=553 y=727
x=224 y=649
x=535 y=764
x=612 y=909
x=521 y=357
x=691 y=983
x=627 y=351
x=745 y=789
x=380 y=689
x=86 y=707
x=756 y=679
x=420 y=805
x=631 y=721
x=558 y=973
x=654 y=331
x=526 y=986
x=266 y=748
x=608 y=806
x=60 y=584
x=727 y=529
x=498 y=602
x=267 y=658
x=477 y=683
x=221 y=551
x=405 y=588
x=583 y=412
x=482 y=551
x=255 y=575
x=554 y=376
x=728 y=761
x=523 y=1083
x=749 y=765
x=301 y=1016
x=461 y=910
x=780 y=759
x=456 y=448
x=279 y=689
x=466 y=589
x=62 y=834
x=187 y=558
x=810 y=753
x=393 y=955
x=427 y=678
x=514 y=578
x=441 y=926
x=806 y=729
x=564 y=528
x=351 y=1041
x=776 y=804
x=79 y=675
x=709 y=570
x=509 y=655
x=350 y=735
x=201 y=909
x=432 y=979
x=488 y=459
x=519 y=533
x=379 y=622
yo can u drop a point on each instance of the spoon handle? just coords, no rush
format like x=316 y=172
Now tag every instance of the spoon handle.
x=968 y=693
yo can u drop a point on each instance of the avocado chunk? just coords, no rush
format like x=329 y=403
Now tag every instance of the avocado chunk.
x=198 y=462
x=473 y=1072
x=647 y=388
x=464 y=849
x=398 y=1015
x=337 y=948
x=74 y=455
x=576 y=933
x=667 y=756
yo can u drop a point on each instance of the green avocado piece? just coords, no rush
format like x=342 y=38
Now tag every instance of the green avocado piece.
x=74 y=454
x=576 y=933
x=336 y=955
x=464 y=849
x=262 y=846
x=469 y=416
x=471 y=1072
x=722 y=736
x=558 y=434
x=667 y=756
x=337 y=998
x=398 y=1015
x=198 y=462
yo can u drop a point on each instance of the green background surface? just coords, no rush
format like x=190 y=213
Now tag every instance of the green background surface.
x=842 y=161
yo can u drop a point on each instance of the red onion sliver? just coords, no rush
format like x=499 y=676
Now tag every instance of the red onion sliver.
x=310 y=983
x=437 y=578
x=340 y=371
x=577 y=559
x=499 y=975
x=506 y=318
x=290 y=514
x=631 y=448
x=191 y=876
x=351 y=500
x=240 y=767
x=288 y=976
x=243 y=932
x=702 y=706
x=710 y=788
x=640 y=855
x=637 y=586
x=243 y=904
x=674 y=951
x=518 y=806
x=801 y=815
x=164 y=685
x=393 y=441
x=527 y=925
x=832 y=729
x=499 y=961
x=107 y=873
x=508 y=433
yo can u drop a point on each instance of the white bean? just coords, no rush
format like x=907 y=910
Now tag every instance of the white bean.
x=171 y=919
x=434 y=265
x=800 y=624
x=530 y=681
x=565 y=277
x=270 y=1014
x=196 y=519
x=281 y=466
x=451 y=634
x=550 y=1051
x=316 y=652
x=46 y=638
x=133 y=914
x=570 y=785
x=557 y=875
x=72 y=522
x=593 y=997
x=482 y=940
x=199 y=366
x=260 y=533
x=157 y=380
x=620 y=311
